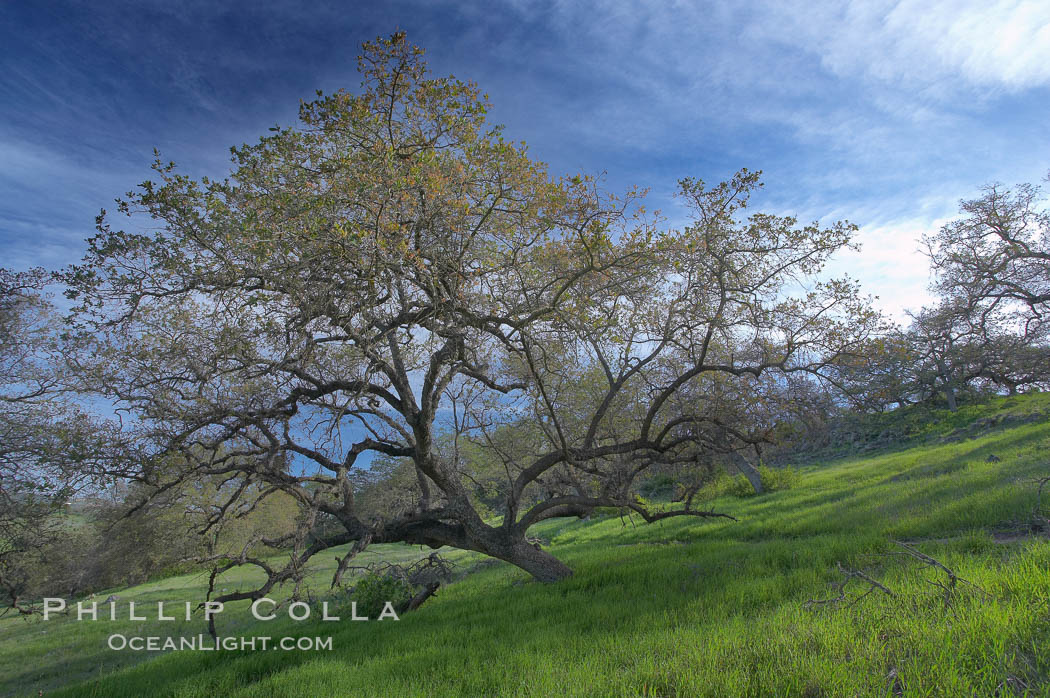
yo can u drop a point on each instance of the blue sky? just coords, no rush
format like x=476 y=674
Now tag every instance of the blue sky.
x=885 y=113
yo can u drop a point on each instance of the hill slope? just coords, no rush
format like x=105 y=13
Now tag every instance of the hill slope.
x=707 y=607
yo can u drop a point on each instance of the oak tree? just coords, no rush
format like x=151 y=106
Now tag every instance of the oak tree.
x=992 y=273
x=996 y=257
x=392 y=273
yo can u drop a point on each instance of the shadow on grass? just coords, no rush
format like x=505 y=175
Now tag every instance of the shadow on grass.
x=502 y=613
x=497 y=629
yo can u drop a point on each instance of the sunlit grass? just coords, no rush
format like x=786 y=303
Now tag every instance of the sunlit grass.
x=678 y=608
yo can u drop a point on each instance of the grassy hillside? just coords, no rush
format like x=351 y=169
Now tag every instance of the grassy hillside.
x=855 y=434
x=682 y=607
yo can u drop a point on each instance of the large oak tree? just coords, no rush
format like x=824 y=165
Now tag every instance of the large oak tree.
x=392 y=272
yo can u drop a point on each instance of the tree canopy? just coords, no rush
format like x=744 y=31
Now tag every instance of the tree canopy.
x=996 y=258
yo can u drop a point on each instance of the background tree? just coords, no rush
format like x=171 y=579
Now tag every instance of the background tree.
x=941 y=338
x=880 y=377
x=48 y=447
x=394 y=277
x=992 y=273
x=996 y=258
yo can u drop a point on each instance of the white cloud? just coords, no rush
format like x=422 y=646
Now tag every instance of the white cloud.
x=935 y=44
x=891 y=266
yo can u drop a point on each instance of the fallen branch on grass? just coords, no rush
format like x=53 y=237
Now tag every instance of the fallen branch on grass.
x=850 y=575
x=432 y=568
x=953 y=579
x=417 y=600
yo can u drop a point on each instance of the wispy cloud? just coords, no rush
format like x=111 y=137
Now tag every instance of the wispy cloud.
x=937 y=45
x=890 y=266
x=883 y=112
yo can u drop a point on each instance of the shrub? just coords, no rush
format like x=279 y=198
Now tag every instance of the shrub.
x=774 y=479
x=375 y=589
x=382 y=582
x=726 y=485
x=738 y=486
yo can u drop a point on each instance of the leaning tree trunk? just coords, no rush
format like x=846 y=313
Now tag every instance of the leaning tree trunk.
x=543 y=566
x=751 y=473
x=949 y=390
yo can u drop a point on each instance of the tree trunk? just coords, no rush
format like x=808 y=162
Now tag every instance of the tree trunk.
x=751 y=473
x=949 y=392
x=543 y=566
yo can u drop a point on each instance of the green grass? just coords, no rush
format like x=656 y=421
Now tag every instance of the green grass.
x=914 y=425
x=42 y=656
x=679 y=608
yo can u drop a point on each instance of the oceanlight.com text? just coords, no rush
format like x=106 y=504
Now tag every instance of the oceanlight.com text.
x=205 y=643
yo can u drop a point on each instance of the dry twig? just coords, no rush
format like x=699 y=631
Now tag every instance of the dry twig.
x=850 y=574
